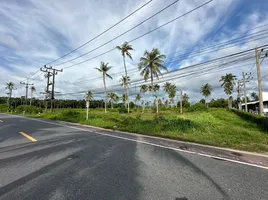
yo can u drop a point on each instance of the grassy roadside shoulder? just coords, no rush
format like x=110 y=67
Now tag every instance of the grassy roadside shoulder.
x=216 y=127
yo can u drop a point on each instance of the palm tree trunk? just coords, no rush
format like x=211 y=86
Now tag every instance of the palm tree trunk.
x=207 y=102
x=104 y=83
x=124 y=60
x=112 y=104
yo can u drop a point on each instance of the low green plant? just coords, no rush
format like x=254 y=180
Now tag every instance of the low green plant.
x=197 y=107
x=28 y=109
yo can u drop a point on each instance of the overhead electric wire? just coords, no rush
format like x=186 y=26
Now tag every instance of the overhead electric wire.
x=218 y=46
x=204 y=47
x=142 y=34
x=101 y=33
x=120 y=35
x=239 y=54
x=181 y=59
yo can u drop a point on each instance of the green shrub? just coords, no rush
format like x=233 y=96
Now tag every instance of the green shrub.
x=122 y=110
x=70 y=115
x=28 y=109
x=261 y=121
x=197 y=107
x=3 y=107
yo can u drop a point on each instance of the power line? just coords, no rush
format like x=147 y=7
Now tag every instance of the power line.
x=242 y=56
x=101 y=33
x=119 y=34
x=140 y=35
x=181 y=59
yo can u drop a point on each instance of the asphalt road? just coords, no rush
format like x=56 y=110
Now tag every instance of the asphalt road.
x=71 y=163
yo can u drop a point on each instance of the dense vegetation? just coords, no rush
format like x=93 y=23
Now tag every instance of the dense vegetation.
x=212 y=126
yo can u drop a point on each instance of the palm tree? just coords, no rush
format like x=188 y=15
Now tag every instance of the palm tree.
x=113 y=98
x=10 y=86
x=143 y=105
x=228 y=83
x=104 y=68
x=124 y=82
x=172 y=93
x=137 y=98
x=206 y=91
x=125 y=49
x=151 y=64
x=89 y=96
x=254 y=96
x=32 y=91
x=185 y=99
x=124 y=99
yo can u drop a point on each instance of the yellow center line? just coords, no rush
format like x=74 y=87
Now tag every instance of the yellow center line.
x=29 y=137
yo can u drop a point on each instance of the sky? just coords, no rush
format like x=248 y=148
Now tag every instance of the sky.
x=34 y=33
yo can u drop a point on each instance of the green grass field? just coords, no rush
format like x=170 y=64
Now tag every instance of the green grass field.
x=217 y=127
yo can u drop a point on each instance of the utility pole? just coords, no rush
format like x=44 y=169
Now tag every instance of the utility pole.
x=51 y=72
x=238 y=95
x=245 y=92
x=259 y=83
x=26 y=86
x=181 y=103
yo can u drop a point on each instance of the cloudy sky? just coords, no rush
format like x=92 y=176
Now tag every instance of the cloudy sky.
x=34 y=33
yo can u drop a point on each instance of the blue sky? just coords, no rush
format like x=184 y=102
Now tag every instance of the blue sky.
x=34 y=32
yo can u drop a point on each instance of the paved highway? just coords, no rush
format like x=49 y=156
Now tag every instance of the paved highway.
x=44 y=160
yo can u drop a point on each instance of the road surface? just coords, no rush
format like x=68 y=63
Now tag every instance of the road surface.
x=43 y=160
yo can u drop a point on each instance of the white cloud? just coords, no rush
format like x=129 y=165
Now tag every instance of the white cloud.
x=41 y=31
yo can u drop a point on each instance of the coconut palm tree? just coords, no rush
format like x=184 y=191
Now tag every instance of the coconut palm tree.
x=206 y=91
x=32 y=92
x=104 y=68
x=143 y=105
x=228 y=83
x=151 y=64
x=124 y=99
x=125 y=49
x=124 y=82
x=172 y=93
x=89 y=96
x=137 y=98
x=113 y=97
x=185 y=99
x=10 y=86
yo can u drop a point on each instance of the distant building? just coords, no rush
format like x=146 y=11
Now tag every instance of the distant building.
x=253 y=107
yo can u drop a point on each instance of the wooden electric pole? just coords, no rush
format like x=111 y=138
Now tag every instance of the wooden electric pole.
x=259 y=83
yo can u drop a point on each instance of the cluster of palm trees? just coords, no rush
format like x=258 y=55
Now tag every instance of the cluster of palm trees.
x=150 y=66
x=10 y=86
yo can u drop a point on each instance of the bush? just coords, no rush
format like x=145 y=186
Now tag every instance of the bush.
x=197 y=107
x=261 y=121
x=28 y=109
x=122 y=110
x=70 y=115
x=3 y=107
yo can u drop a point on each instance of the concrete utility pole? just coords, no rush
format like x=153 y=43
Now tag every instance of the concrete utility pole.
x=26 y=91
x=259 y=83
x=245 y=91
x=239 y=95
x=181 y=103
x=51 y=72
